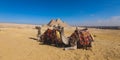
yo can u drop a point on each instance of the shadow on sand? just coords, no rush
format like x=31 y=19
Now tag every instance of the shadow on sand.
x=41 y=43
x=53 y=45
x=33 y=38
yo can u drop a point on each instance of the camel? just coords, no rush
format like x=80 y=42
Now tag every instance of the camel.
x=80 y=39
x=53 y=36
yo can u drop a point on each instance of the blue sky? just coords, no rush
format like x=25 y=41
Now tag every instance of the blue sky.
x=82 y=12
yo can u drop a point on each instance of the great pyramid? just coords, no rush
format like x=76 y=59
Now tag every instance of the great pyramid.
x=57 y=22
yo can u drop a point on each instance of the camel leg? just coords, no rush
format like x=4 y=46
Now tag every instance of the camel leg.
x=71 y=48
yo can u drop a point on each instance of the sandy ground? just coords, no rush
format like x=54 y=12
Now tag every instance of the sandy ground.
x=21 y=44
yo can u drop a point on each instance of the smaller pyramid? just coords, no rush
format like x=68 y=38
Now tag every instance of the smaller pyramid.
x=58 y=20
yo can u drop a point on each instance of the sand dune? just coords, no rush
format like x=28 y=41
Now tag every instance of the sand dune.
x=21 y=44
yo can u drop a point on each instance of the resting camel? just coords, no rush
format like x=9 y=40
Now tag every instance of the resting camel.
x=53 y=36
x=80 y=39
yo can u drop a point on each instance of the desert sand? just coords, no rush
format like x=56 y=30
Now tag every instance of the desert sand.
x=21 y=44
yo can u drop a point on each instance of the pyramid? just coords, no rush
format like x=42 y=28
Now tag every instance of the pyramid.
x=57 y=22
x=51 y=22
